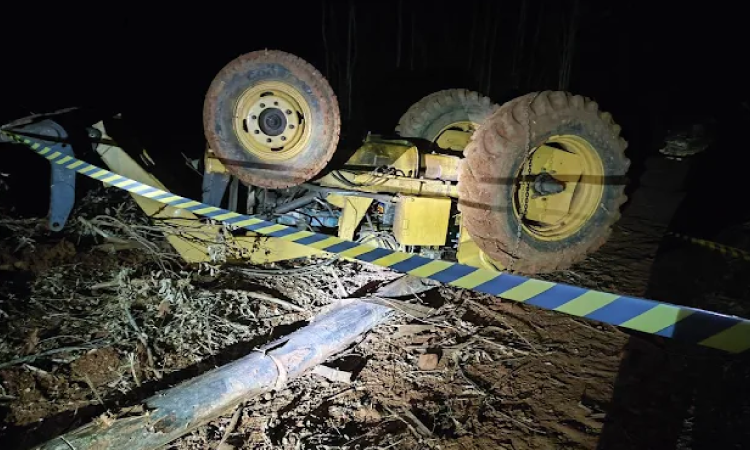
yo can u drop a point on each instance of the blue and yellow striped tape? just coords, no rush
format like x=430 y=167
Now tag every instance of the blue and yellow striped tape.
x=705 y=328
x=715 y=246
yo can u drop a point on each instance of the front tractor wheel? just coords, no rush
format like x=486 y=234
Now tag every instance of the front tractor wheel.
x=272 y=119
x=543 y=181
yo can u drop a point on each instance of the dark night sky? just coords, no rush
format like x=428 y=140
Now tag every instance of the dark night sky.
x=155 y=64
x=652 y=64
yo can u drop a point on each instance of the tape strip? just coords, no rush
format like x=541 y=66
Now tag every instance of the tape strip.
x=705 y=328
x=715 y=246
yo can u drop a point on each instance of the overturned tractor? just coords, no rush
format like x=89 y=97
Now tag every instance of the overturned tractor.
x=531 y=186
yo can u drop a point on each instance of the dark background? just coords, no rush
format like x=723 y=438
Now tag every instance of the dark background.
x=653 y=65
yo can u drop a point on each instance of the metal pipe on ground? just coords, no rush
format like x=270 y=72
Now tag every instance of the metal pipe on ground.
x=175 y=412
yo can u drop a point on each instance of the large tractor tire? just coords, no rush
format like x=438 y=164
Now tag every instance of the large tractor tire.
x=272 y=119
x=458 y=109
x=517 y=151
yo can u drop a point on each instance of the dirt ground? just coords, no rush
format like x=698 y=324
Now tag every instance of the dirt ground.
x=86 y=329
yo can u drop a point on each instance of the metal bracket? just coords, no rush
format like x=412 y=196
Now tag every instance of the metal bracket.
x=62 y=180
x=214 y=187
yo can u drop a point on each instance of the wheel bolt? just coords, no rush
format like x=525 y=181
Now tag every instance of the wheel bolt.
x=262 y=105
x=268 y=140
x=283 y=138
x=291 y=127
x=288 y=112
x=254 y=117
x=275 y=103
x=256 y=131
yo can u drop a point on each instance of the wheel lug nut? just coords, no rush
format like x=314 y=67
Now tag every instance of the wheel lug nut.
x=268 y=140
x=256 y=131
x=288 y=112
x=283 y=138
x=254 y=117
x=291 y=127
x=262 y=105
x=275 y=103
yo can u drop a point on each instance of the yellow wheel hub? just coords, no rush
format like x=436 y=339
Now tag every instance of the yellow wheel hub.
x=558 y=188
x=456 y=135
x=271 y=121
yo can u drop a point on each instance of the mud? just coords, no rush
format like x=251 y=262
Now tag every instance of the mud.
x=507 y=376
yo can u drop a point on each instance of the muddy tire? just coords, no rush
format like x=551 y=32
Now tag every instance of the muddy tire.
x=432 y=114
x=493 y=160
x=317 y=129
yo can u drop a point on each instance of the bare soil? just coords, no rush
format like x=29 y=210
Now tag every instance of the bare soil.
x=507 y=376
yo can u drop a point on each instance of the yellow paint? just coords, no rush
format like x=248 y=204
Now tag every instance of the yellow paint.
x=110 y=178
x=356 y=251
x=100 y=173
x=140 y=188
x=470 y=254
x=225 y=216
x=270 y=229
x=398 y=155
x=336 y=200
x=393 y=258
x=735 y=339
x=187 y=204
x=298 y=235
x=430 y=268
x=454 y=139
x=52 y=156
x=475 y=278
x=170 y=199
x=556 y=217
x=192 y=241
x=206 y=210
x=454 y=136
x=657 y=318
x=376 y=183
x=561 y=165
x=153 y=194
x=421 y=220
x=262 y=250
x=75 y=164
x=526 y=290
x=246 y=223
x=587 y=303
x=353 y=212
x=63 y=160
x=212 y=163
x=262 y=97
x=441 y=167
x=325 y=243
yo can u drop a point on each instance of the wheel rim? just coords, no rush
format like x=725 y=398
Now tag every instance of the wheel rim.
x=455 y=135
x=271 y=121
x=565 y=187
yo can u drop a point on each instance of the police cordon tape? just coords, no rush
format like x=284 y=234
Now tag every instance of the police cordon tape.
x=715 y=246
x=709 y=329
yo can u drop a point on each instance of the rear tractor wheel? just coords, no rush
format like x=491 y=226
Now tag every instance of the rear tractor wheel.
x=272 y=119
x=542 y=181
x=447 y=118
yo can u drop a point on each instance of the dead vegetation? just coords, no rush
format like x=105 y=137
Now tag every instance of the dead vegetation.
x=97 y=319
